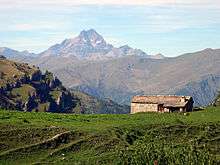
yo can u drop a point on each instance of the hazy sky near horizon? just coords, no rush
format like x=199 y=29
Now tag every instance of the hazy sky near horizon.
x=170 y=27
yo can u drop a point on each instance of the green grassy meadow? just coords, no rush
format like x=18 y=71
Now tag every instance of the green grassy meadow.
x=145 y=138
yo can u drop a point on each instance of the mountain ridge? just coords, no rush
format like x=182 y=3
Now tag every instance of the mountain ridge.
x=120 y=79
x=14 y=54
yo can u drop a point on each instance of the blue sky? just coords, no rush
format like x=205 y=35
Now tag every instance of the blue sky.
x=170 y=27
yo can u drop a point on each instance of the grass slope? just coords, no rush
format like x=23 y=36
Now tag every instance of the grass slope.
x=44 y=138
x=23 y=92
x=11 y=71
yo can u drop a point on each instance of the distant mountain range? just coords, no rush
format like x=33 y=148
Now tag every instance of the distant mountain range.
x=88 y=45
x=14 y=54
x=91 y=46
x=89 y=64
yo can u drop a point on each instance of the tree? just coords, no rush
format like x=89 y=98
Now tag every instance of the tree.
x=2 y=75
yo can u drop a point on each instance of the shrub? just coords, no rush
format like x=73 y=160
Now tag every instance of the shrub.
x=165 y=154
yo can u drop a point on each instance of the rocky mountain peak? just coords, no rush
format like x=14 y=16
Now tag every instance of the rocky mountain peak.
x=159 y=56
x=90 y=45
x=87 y=43
x=89 y=33
x=125 y=47
x=208 y=49
x=92 y=37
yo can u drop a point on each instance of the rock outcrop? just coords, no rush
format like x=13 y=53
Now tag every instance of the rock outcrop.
x=217 y=100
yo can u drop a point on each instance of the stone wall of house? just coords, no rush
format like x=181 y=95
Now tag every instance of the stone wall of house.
x=140 y=107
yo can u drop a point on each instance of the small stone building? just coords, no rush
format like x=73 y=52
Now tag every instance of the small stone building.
x=161 y=104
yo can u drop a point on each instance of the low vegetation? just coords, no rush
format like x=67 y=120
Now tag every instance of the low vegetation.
x=22 y=92
x=145 y=138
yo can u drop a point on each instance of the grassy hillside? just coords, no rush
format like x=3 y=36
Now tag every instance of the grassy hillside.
x=10 y=71
x=44 y=138
x=25 y=88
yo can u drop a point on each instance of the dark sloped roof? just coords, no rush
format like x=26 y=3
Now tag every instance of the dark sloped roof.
x=166 y=100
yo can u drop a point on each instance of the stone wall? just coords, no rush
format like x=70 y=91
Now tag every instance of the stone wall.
x=139 y=107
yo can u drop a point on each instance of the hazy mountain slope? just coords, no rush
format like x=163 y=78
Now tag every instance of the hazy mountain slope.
x=91 y=105
x=14 y=54
x=25 y=88
x=121 y=78
x=203 y=91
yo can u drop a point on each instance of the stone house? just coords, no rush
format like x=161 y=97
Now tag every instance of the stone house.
x=161 y=104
